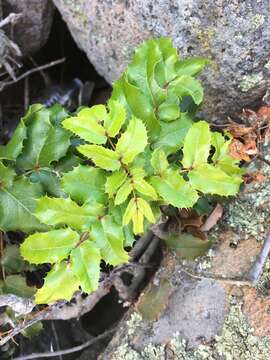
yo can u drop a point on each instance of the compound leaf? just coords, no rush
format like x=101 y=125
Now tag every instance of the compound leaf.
x=132 y=141
x=123 y=192
x=145 y=209
x=175 y=190
x=105 y=158
x=58 y=211
x=144 y=188
x=114 y=182
x=109 y=238
x=85 y=264
x=86 y=124
x=49 y=247
x=212 y=180
x=60 y=283
x=196 y=145
x=85 y=183
x=115 y=118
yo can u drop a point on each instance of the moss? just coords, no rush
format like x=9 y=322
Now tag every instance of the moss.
x=250 y=81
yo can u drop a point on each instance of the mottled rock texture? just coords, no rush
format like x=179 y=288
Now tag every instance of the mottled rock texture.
x=33 y=28
x=234 y=34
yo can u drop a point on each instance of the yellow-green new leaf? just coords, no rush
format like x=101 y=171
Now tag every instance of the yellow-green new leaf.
x=145 y=188
x=212 y=180
x=49 y=247
x=58 y=211
x=130 y=211
x=86 y=124
x=60 y=284
x=175 y=190
x=123 y=193
x=115 y=119
x=159 y=161
x=85 y=183
x=105 y=158
x=137 y=220
x=109 y=238
x=132 y=141
x=85 y=264
x=145 y=209
x=196 y=145
x=114 y=182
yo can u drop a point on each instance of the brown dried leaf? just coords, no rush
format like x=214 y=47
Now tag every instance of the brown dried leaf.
x=213 y=218
x=255 y=176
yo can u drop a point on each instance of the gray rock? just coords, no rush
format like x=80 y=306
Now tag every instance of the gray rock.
x=32 y=30
x=235 y=35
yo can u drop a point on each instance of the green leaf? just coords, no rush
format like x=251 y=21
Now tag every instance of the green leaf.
x=49 y=181
x=123 y=192
x=196 y=145
x=137 y=220
x=49 y=247
x=17 y=207
x=114 y=182
x=85 y=183
x=172 y=134
x=109 y=238
x=145 y=209
x=139 y=105
x=7 y=175
x=159 y=161
x=57 y=211
x=13 y=262
x=86 y=124
x=132 y=141
x=105 y=158
x=115 y=119
x=174 y=189
x=68 y=162
x=187 y=86
x=14 y=147
x=130 y=211
x=60 y=283
x=57 y=114
x=145 y=188
x=45 y=143
x=16 y=284
x=191 y=66
x=212 y=180
x=55 y=147
x=85 y=264
x=187 y=245
x=38 y=127
x=170 y=109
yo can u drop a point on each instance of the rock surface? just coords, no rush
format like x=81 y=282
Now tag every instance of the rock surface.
x=235 y=35
x=33 y=28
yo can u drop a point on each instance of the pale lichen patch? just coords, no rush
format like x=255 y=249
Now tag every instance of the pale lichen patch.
x=250 y=81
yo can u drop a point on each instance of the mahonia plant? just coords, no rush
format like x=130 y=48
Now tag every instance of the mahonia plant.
x=139 y=152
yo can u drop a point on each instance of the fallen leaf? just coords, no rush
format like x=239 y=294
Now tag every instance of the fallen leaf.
x=255 y=176
x=187 y=246
x=264 y=112
x=238 y=151
x=213 y=218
